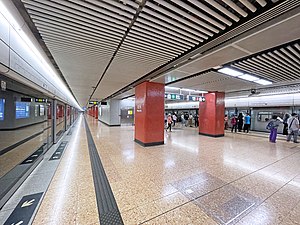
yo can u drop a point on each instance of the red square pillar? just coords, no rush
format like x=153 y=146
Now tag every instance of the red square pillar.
x=211 y=115
x=149 y=113
x=96 y=111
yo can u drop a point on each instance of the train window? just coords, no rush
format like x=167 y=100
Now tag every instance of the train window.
x=264 y=116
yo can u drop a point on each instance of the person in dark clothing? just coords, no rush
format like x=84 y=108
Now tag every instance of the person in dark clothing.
x=196 y=120
x=240 y=122
x=234 y=123
x=285 y=124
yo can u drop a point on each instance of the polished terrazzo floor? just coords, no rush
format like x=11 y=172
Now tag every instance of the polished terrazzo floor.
x=192 y=179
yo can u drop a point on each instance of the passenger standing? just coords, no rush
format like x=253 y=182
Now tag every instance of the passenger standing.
x=182 y=120
x=174 y=117
x=226 y=122
x=196 y=120
x=240 y=122
x=247 y=123
x=234 y=123
x=190 y=120
x=273 y=126
x=285 y=124
x=186 y=117
x=169 y=123
x=293 y=127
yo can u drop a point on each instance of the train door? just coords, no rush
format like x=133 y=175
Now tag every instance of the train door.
x=49 y=128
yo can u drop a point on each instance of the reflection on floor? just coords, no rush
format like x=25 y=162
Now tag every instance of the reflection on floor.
x=192 y=179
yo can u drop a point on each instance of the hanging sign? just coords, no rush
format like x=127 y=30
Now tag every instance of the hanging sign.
x=93 y=102
x=171 y=96
x=195 y=98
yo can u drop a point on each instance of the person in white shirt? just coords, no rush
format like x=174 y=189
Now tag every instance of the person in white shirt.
x=174 y=117
x=293 y=127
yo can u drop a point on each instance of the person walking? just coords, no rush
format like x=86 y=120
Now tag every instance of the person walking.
x=170 y=120
x=273 y=126
x=293 y=127
x=247 y=122
x=234 y=123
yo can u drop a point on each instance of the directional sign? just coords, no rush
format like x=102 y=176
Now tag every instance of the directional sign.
x=93 y=102
x=58 y=153
x=34 y=156
x=27 y=203
x=195 y=98
x=41 y=100
x=171 y=96
x=23 y=212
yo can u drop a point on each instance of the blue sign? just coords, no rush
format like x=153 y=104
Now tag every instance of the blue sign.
x=2 y=102
x=22 y=110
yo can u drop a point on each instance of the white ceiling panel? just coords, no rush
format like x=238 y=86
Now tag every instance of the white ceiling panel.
x=214 y=81
x=112 y=44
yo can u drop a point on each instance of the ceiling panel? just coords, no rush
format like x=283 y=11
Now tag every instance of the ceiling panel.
x=280 y=64
x=214 y=81
x=114 y=43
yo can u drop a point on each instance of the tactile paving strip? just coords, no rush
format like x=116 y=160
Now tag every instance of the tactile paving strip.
x=107 y=207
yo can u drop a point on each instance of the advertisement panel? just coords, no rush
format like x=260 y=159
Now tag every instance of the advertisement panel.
x=2 y=104
x=22 y=110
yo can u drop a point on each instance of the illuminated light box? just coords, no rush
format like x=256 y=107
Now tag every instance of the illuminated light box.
x=2 y=103
x=22 y=110
x=171 y=96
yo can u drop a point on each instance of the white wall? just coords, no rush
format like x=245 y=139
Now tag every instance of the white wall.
x=127 y=103
x=110 y=113
x=22 y=58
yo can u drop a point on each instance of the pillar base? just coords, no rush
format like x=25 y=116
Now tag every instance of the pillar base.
x=149 y=144
x=212 y=135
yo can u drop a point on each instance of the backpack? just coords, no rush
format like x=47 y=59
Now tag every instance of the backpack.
x=270 y=125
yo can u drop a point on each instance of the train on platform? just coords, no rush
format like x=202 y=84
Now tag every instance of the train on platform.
x=260 y=108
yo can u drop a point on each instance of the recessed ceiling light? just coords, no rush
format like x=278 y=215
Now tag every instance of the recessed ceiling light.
x=262 y=82
x=248 y=77
x=230 y=72
x=173 y=88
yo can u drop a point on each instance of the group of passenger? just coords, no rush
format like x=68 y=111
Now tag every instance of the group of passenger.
x=290 y=127
x=184 y=118
x=238 y=123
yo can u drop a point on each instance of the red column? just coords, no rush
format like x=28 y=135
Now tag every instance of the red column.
x=211 y=115
x=93 y=112
x=149 y=113
x=96 y=112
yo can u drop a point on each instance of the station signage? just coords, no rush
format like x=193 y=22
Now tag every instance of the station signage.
x=93 y=102
x=195 y=98
x=171 y=96
x=41 y=100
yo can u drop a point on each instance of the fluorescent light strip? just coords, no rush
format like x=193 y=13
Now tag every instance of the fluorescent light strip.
x=186 y=89
x=29 y=46
x=230 y=72
x=262 y=82
x=244 y=76
x=172 y=88
x=248 y=77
